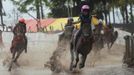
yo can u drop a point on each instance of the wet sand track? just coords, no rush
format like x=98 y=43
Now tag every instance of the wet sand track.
x=41 y=47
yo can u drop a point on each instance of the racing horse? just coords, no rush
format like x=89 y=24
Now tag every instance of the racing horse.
x=18 y=46
x=81 y=45
x=110 y=37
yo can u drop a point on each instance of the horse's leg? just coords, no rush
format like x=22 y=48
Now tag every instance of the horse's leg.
x=102 y=43
x=13 y=56
x=18 y=54
x=72 y=56
x=108 y=45
x=82 y=64
x=77 y=59
x=111 y=45
x=26 y=44
x=15 y=60
x=115 y=35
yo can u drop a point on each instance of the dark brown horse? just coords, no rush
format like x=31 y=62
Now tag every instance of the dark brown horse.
x=82 y=45
x=110 y=37
x=17 y=47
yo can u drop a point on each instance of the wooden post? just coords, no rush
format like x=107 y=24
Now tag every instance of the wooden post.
x=129 y=53
x=132 y=50
x=126 y=56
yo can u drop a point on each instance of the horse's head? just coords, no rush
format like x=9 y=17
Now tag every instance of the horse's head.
x=68 y=30
x=86 y=30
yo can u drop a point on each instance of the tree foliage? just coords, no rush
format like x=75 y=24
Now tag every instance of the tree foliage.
x=30 y=5
x=65 y=8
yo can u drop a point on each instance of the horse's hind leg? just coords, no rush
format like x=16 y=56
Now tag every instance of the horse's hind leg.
x=82 y=64
x=10 y=65
x=108 y=45
x=13 y=55
x=72 y=57
x=77 y=60
x=25 y=44
x=114 y=39
x=18 y=54
x=111 y=45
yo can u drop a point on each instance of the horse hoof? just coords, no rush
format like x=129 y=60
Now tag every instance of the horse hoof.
x=71 y=69
x=17 y=64
x=74 y=66
x=81 y=66
x=9 y=69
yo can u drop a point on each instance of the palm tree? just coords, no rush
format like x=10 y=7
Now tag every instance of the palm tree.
x=31 y=5
x=1 y=14
x=42 y=11
x=126 y=11
x=131 y=2
x=131 y=13
x=113 y=5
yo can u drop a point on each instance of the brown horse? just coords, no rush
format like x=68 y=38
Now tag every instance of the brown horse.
x=17 y=47
x=110 y=37
x=82 y=45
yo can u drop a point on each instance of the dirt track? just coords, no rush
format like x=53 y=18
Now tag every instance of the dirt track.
x=40 y=49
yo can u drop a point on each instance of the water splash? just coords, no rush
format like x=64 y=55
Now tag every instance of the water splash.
x=56 y=64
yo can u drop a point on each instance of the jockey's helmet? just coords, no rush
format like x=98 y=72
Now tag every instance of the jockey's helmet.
x=22 y=20
x=100 y=21
x=85 y=8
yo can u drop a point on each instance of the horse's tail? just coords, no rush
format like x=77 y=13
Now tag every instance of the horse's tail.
x=115 y=35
